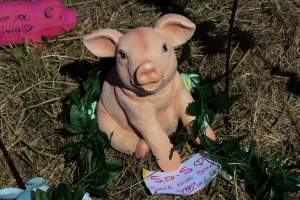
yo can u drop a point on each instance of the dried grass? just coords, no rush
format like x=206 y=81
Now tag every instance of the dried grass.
x=31 y=87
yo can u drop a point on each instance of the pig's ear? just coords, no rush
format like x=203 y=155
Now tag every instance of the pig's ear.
x=102 y=43
x=177 y=28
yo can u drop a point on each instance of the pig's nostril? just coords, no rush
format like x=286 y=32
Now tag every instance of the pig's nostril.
x=147 y=74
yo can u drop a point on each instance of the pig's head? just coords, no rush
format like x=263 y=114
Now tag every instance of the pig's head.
x=145 y=57
x=58 y=20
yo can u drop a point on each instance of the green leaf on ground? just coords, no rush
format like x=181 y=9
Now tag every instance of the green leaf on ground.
x=77 y=117
x=114 y=165
x=72 y=151
x=71 y=128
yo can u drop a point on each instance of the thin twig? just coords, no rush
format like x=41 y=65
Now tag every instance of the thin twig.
x=291 y=115
x=3 y=101
x=43 y=103
x=12 y=166
x=38 y=152
x=81 y=3
x=228 y=51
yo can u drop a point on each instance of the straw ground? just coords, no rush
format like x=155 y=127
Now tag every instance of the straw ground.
x=266 y=39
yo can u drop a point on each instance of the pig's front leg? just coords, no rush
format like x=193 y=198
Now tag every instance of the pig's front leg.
x=142 y=116
x=120 y=139
x=185 y=98
x=159 y=143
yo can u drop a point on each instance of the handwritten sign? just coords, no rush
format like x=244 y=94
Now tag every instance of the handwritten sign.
x=15 y=26
x=193 y=175
x=33 y=19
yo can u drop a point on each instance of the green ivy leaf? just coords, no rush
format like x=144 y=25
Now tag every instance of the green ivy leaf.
x=72 y=151
x=195 y=108
x=266 y=179
x=286 y=183
x=204 y=92
x=91 y=87
x=41 y=195
x=89 y=162
x=114 y=165
x=99 y=139
x=114 y=177
x=96 y=142
x=71 y=128
x=180 y=139
x=263 y=188
x=74 y=97
x=63 y=191
x=78 y=194
x=78 y=118
x=171 y=153
x=97 y=191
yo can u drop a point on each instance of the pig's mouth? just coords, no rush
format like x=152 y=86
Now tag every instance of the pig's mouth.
x=150 y=86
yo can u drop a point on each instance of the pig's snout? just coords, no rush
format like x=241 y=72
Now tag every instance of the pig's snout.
x=148 y=74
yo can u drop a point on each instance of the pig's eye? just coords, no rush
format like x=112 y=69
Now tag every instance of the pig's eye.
x=164 y=48
x=122 y=54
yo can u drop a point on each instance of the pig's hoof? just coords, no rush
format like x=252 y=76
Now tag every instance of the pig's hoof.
x=168 y=165
x=197 y=141
x=142 y=149
x=209 y=133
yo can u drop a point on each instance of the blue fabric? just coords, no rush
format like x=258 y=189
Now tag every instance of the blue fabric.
x=19 y=194
x=10 y=193
x=32 y=185
x=35 y=183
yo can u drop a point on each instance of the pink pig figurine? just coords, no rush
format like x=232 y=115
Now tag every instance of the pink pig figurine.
x=32 y=20
x=143 y=96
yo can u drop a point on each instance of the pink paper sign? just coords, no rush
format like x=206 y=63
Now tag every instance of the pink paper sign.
x=193 y=175
x=33 y=20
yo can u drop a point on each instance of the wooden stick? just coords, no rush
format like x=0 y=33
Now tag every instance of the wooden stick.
x=228 y=51
x=12 y=166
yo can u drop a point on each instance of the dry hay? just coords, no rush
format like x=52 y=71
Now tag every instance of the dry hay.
x=32 y=88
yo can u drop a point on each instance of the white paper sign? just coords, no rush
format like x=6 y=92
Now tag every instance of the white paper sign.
x=193 y=175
